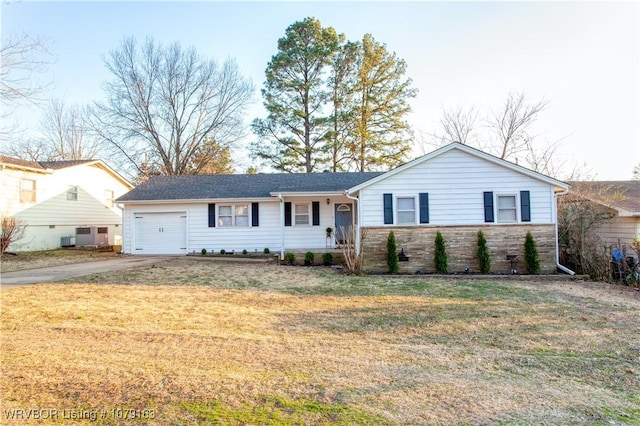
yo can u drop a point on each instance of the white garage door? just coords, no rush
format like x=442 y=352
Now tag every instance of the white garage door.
x=160 y=233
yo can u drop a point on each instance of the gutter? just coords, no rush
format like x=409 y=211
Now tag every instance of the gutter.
x=558 y=265
x=356 y=202
x=281 y=198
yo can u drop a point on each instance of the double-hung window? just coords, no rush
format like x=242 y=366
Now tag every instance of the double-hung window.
x=72 y=193
x=507 y=210
x=109 y=198
x=302 y=214
x=28 y=191
x=406 y=210
x=233 y=215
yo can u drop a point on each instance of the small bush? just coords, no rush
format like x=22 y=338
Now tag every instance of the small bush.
x=203 y=251
x=327 y=259
x=482 y=253
x=392 y=255
x=223 y=251
x=266 y=250
x=290 y=258
x=308 y=258
x=531 y=259
x=440 y=255
x=244 y=251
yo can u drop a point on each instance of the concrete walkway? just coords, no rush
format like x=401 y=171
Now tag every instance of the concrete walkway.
x=10 y=280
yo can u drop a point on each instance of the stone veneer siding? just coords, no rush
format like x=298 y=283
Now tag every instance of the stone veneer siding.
x=461 y=244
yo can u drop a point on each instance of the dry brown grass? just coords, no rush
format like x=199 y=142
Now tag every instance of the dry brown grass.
x=42 y=259
x=213 y=342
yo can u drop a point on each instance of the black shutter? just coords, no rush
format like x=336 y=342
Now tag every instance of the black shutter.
x=525 y=206
x=424 y=207
x=212 y=215
x=255 y=210
x=488 y=206
x=388 y=209
x=287 y=214
x=316 y=212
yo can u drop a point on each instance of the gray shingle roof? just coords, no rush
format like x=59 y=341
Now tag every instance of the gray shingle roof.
x=624 y=194
x=196 y=187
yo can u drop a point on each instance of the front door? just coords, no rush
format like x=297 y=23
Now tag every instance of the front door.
x=344 y=219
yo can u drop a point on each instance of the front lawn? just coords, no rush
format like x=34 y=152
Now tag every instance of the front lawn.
x=197 y=341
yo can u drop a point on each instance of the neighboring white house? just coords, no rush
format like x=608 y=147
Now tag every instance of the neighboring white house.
x=55 y=198
x=456 y=190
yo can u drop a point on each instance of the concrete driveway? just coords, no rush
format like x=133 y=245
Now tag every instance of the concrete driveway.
x=10 y=280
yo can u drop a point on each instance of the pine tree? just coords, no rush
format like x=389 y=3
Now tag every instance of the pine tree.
x=392 y=254
x=440 y=255
x=531 y=259
x=482 y=253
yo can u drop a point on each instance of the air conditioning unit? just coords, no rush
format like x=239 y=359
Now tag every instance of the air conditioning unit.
x=67 y=241
x=97 y=236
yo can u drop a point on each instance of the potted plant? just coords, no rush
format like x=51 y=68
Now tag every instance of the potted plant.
x=290 y=258
x=327 y=259
x=203 y=251
x=329 y=231
x=308 y=258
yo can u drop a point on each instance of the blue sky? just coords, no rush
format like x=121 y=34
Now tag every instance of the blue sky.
x=582 y=56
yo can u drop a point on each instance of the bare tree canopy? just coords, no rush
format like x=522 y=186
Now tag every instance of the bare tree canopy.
x=164 y=102
x=511 y=123
x=459 y=124
x=21 y=57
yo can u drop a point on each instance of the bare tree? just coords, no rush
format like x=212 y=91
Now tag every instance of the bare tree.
x=21 y=58
x=65 y=133
x=512 y=122
x=459 y=125
x=12 y=230
x=164 y=102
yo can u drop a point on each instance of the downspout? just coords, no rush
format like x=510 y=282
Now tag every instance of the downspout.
x=357 y=205
x=281 y=198
x=555 y=210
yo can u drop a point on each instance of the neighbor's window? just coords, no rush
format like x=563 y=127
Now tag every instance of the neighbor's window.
x=109 y=198
x=72 y=193
x=507 y=208
x=28 y=191
x=302 y=214
x=406 y=210
x=233 y=215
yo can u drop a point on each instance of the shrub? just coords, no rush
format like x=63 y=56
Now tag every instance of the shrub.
x=244 y=251
x=327 y=259
x=392 y=255
x=223 y=251
x=266 y=250
x=308 y=258
x=290 y=258
x=531 y=259
x=203 y=251
x=440 y=255
x=482 y=253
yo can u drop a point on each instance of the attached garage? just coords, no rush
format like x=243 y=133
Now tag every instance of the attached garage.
x=160 y=233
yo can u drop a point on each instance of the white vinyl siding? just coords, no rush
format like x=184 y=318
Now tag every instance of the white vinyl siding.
x=456 y=181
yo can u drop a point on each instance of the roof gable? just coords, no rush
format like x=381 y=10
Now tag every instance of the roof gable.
x=243 y=186
x=469 y=150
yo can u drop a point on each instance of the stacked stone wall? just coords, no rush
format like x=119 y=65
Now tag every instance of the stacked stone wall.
x=418 y=244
